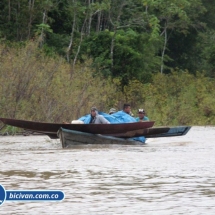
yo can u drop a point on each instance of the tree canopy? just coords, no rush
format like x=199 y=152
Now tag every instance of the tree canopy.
x=127 y=39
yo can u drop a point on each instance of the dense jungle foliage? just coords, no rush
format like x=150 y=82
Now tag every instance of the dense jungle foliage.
x=60 y=57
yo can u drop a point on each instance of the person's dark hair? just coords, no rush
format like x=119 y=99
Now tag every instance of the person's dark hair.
x=126 y=105
x=93 y=109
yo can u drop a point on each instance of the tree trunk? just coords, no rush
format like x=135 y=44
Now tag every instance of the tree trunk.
x=115 y=31
x=17 y=15
x=164 y=47
x=79 y=47
x=98 y=21
x=72 y=34
x=42 y=35
x=31 y=8
x=9 y=10
x=112 y=47
x=90 y=17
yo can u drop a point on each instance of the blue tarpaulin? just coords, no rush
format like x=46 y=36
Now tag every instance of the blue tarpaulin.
x=118 y=117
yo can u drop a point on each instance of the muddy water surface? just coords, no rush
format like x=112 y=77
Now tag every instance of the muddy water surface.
x=166 y=176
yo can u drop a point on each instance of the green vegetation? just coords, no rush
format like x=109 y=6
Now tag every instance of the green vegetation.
x=59 y=58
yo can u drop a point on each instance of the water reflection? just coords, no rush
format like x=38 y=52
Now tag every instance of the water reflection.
x=167 y=176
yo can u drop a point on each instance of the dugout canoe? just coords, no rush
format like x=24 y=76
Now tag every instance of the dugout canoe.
x=51 y=129
x=69 y=138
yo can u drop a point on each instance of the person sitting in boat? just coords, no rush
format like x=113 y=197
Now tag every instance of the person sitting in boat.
x=112 y=110
x=124 y=115
x=142 y=117
x=96 y=118
x=127 y=108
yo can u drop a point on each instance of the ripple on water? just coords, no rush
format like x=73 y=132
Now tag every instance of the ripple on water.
x=167 y=176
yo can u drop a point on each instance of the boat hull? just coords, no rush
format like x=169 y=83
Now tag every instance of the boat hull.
x=70 y=138
x=52 y=128
x=172 y=132
x=142 y=132
x=155 y=132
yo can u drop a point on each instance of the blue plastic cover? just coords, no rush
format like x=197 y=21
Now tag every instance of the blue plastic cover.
x=85 y=119
x=118 y=117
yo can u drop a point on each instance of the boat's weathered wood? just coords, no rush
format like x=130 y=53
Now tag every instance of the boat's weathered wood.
x=156 y=132
x=52 y=128
x=142 y=132
x=70 y=138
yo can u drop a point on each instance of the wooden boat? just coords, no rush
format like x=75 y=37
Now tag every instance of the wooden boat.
x=51 y=129
x=155 y=132
x=70 y=138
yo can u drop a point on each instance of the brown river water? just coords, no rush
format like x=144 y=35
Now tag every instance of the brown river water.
x=166 y=176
